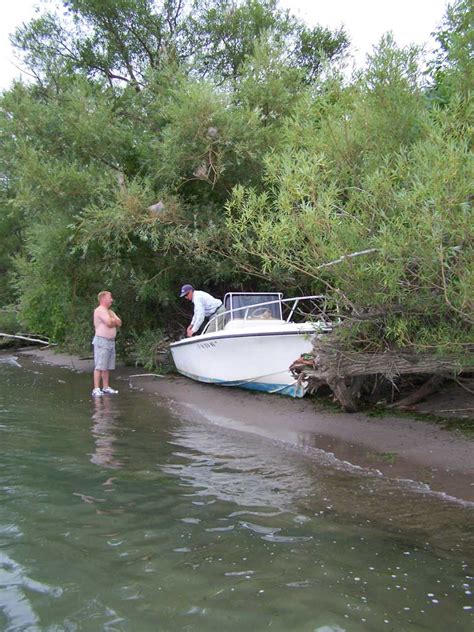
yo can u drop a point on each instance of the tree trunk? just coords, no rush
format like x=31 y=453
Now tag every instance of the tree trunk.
x=346 y=371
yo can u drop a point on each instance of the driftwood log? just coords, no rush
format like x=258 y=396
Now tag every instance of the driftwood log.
x=28 y=339
x=346 y=371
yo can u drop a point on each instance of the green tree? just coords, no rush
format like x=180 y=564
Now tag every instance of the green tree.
x=115 y=40
x=165 y=141
x=121 y=41
x=452 y=69
x=368 y=200
x=223 y=34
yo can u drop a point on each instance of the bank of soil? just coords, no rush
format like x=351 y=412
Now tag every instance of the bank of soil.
x=392 y=445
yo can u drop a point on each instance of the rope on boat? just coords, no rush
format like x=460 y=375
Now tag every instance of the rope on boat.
x=275 y=390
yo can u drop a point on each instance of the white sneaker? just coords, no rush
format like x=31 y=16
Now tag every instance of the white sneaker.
x=110 y=391
x=97 y=392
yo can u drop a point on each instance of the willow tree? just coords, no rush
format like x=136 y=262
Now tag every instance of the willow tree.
x=119 y=158
x=121 y=41
x=369 y=201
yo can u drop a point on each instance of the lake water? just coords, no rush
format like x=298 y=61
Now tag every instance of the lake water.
x=116 y=514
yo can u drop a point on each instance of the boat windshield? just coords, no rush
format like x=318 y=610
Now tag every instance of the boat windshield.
x=249 y=305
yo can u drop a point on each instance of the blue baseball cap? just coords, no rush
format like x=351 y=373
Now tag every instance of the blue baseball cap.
x=185 y=289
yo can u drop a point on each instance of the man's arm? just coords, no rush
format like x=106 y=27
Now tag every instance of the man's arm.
x=198 y=317
x=106 y=316
x=116 y=322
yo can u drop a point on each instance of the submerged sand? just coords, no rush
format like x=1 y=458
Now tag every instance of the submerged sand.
x=396 y=447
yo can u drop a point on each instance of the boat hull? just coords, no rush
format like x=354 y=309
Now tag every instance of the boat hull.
x=257 y=361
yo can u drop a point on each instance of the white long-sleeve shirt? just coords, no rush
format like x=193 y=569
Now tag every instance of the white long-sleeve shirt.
x=204 y=306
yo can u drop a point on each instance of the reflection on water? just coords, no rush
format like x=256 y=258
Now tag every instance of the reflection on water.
x=15 y=585
x=9 y=359
x=209 y=461
x=106 y=413
x=201 y=528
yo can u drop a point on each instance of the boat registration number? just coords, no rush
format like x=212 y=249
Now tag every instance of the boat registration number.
x=207 y=345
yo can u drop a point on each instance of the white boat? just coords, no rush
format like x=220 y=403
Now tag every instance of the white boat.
x=254 y=342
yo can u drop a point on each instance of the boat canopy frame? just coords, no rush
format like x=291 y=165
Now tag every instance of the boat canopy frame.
x=311 y=307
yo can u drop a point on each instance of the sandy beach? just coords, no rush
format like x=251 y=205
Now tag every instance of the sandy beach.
x=393 y=446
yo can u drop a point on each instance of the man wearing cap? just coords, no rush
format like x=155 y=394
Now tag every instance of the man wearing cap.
x=205 y=306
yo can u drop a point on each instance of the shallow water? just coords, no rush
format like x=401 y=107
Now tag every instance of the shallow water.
x=117 y=514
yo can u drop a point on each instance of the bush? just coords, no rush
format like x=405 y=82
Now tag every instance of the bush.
x=9 y=323
x=150 y=350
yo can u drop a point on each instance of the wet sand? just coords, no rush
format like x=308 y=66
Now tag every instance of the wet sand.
x=396 y=447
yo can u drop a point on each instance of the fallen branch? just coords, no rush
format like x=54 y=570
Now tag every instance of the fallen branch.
x=147 y=375
x=428 y=387
x=338 y=363
x=28 y=339
x=345 y=371
x=344 y=257
x=453 y=410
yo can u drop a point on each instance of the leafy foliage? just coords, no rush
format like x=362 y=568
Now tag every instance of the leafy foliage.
x=216 y=142
x=397 y=207
x=150 y=349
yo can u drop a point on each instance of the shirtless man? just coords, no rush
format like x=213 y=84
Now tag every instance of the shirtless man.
x=105 y=325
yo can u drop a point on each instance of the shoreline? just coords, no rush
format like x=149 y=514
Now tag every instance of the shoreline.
x=395 y=447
